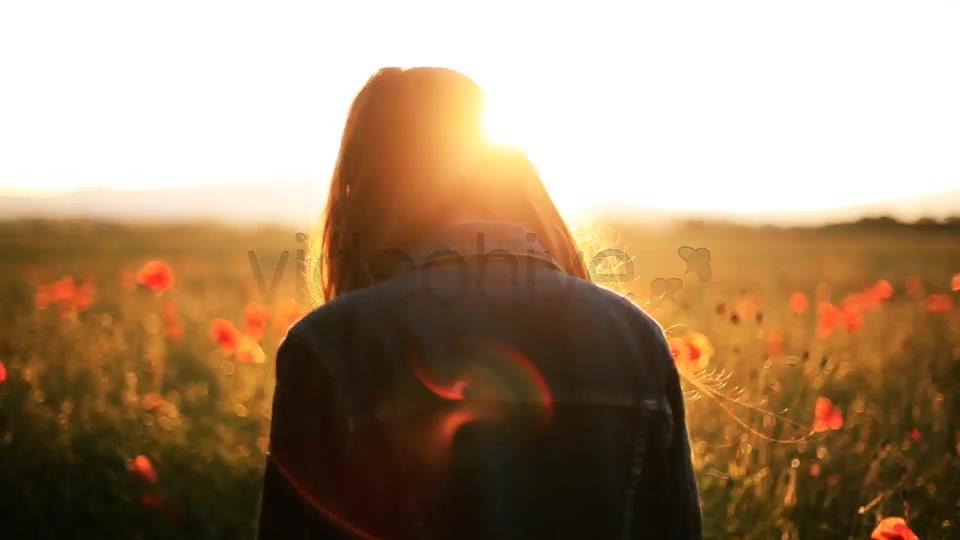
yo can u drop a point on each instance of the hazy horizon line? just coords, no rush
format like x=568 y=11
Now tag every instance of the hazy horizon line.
x=42 y=194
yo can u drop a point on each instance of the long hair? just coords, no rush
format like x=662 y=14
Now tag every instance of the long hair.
x=413 y=157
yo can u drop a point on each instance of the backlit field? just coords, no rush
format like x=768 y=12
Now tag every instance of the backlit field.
x=136 y=376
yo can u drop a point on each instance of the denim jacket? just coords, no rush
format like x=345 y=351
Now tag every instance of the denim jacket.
x=479 y=394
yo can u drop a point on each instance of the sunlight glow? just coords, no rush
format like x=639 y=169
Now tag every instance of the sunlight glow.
x=509 y=119
x=502 y=123
x=740 y=106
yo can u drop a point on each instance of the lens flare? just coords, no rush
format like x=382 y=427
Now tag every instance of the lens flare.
x=454 y=421
x=484 y=370
x=530 y=373
x=452 y=392
x=332 y=516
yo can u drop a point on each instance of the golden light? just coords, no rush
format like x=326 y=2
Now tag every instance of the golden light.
x=510 y=120
x=501 y=123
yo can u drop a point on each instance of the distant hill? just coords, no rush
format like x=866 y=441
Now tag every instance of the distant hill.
x=287 y=203
x=941 y=206
x=295 y=203
x=937 y=208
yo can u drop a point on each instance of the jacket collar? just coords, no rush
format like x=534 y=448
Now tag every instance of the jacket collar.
x=472 y=240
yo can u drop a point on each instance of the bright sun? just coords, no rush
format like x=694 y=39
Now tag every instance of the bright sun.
x=506 y=123
x=500 y=123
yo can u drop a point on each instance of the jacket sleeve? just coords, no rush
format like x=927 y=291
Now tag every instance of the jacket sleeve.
x=683 y=501
x=305 y=434
x=666 y=505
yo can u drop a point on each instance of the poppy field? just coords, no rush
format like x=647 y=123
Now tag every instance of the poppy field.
x=822 y=372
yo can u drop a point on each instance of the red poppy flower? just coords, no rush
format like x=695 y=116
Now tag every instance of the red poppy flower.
x=853 y=321
x=83 y=296
x=798 y=302
x=826 y=416
x=852 y=302
x=864 y=300
x=224 y=334
x=828 y=318
x=882 y=289
x=255 y=319
x=915 y=434
x=692 y=352
x=674 y=351
x=869 y=299
x=156 y=276
x=143 y=468
x=3 y=372
x=893 y=528
x=939 y=303
x=63 y=290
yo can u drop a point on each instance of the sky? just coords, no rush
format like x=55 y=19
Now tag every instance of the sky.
x=734 y=106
